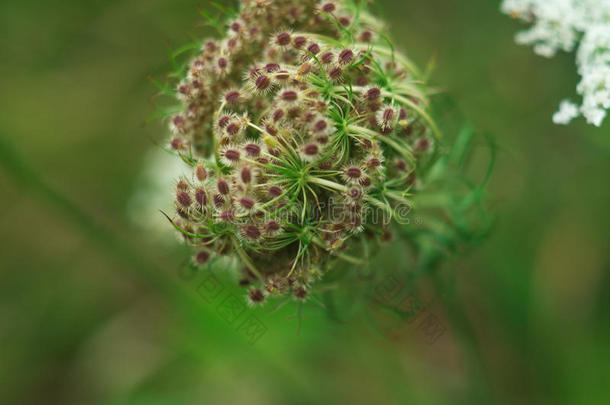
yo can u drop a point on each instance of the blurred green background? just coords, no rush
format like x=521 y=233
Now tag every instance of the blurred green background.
x=94 y=310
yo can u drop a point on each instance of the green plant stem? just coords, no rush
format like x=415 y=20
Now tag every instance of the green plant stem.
x=246 y=259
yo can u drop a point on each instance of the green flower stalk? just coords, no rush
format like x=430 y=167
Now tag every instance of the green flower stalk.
x=305 y=129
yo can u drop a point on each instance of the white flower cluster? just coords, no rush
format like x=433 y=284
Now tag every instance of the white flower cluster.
x=566 y=25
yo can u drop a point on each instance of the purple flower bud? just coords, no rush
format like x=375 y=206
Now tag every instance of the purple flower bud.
x=200 y=172
x=183 y=198
x=184 y=89
x=232 y=155
x=274 y=191
x=210 y=46
x=314 y=48
x=346 y=57
x=232 y=97
x=352 y=172
x=327 y=57
x=246 y=203
x=402 y=114
x=328 y=7
x=278 y=115
x=222 y=63
x=233 y=128
x=272 y=226
x=178 y=121
x=246 y=175
x=289 y=96
x=182 y=185
x=320 y=125
x=236 y=26
x=400 y=165
x=219 y=200
x=201 y=197
x=365 y=181
x=271 y=129
x=311 y=149
x=336 y=73
x=282 y=76
x=202 y=257
x=251 y=232
x=262 y=82
x=283 y=39
x=366 y=36
x=373 y=163
x=256 y=296
x=304 y=69
x=177 y=144
x=299 y=41
x=253 y=149
x=322 y=139
x=372 y=94
x=223 y=121
x=423 y=144
x=388 y=114
x=227 y=215
x=223 y=186
x=272 y=67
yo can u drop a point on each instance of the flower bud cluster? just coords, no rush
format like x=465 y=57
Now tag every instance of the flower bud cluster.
x=298 y=124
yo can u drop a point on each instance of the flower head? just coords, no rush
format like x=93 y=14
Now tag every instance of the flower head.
x=294 y=139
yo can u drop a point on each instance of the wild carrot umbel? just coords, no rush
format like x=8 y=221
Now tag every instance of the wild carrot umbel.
x=304 y=127
x=568 y=25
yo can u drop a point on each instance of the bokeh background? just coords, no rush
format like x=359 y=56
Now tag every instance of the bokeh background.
x=94 y=309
